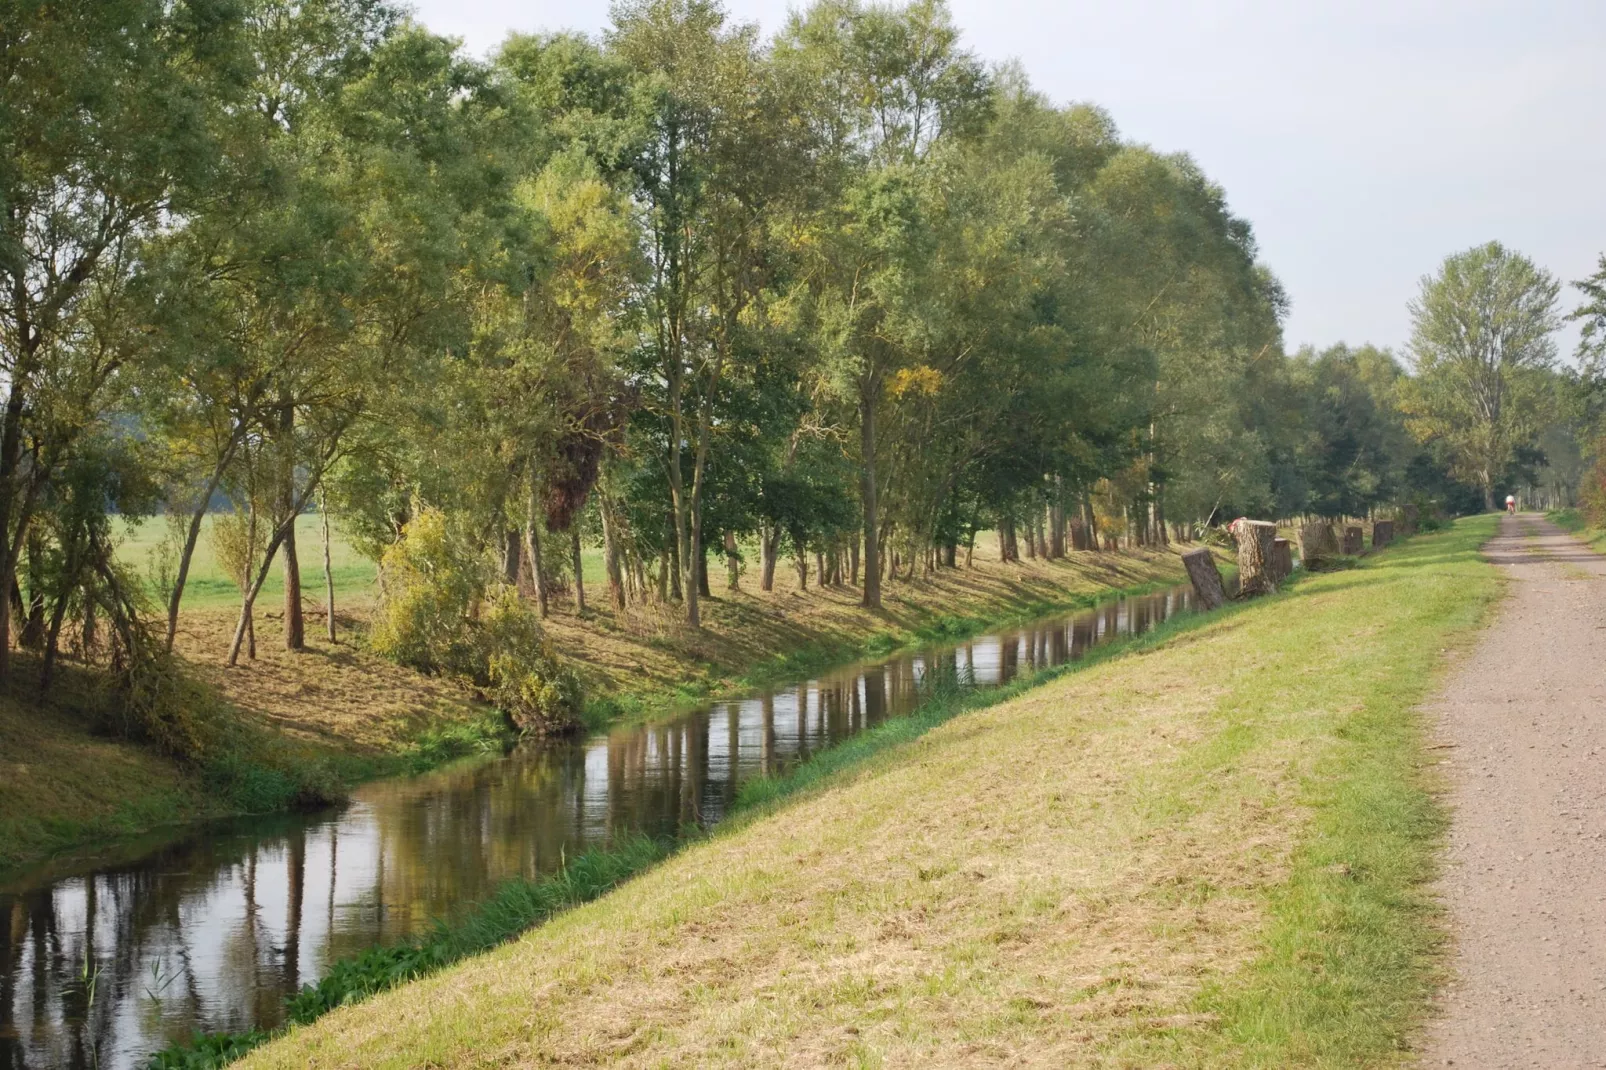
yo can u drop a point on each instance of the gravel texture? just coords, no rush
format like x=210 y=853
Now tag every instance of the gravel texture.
x=1522 y=728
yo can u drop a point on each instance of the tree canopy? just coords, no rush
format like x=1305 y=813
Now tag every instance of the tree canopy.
x=848 y=295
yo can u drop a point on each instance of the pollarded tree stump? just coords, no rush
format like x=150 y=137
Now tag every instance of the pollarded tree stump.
x=1354 y=539
x=1282 y=559
x=1316 y=543
x=1206 y=578
x=1382 y=533
x=1256 y=540
x=1406 y=520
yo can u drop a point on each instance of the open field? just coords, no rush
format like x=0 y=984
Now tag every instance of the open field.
x=209 y=588
x=1211 y=853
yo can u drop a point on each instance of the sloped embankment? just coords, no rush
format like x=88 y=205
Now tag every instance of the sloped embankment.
x=1211 y=853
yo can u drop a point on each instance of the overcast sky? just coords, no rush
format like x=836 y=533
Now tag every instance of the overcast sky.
x=1364 y=139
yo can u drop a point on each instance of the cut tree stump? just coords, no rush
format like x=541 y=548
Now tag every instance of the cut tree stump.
x=1201 y=566
x=1256 y=539
x=1282 y=559
x=1406 y=520
x=1354 y=540
x=1316 y=543
x=1382 y=533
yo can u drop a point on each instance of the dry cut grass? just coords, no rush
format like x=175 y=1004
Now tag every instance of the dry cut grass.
x=1210 y=854
x=333 y=696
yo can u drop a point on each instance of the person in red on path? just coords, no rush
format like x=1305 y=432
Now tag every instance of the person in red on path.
x=1511 y=504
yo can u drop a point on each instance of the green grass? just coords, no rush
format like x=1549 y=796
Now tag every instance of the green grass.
x=1212 y=850
x=208 y=587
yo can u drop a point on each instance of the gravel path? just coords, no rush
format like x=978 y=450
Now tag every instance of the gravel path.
x=1522 y=725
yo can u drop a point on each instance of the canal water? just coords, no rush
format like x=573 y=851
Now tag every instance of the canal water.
x=104 y=960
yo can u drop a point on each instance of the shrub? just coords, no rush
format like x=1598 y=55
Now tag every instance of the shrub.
x=433 y=616
x=430 y=584
x=526 y=678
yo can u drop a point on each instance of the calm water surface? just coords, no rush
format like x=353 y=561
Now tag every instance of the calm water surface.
x=107 y=959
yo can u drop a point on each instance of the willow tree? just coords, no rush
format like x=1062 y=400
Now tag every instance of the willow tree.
x=1481 y=339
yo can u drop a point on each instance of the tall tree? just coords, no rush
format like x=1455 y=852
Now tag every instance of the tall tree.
x=1481 y=338
x=891 y=84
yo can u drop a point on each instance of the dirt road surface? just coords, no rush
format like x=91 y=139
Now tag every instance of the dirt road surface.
x=1522 y=724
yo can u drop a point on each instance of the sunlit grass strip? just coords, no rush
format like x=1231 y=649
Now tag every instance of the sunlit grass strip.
x=1352 y=952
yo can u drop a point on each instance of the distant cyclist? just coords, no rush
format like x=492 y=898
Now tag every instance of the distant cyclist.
x=1511 y=504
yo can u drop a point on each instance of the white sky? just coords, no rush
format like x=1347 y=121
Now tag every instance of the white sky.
x=1364 y=139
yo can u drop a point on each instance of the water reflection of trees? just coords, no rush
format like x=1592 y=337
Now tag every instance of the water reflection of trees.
x=214 y=931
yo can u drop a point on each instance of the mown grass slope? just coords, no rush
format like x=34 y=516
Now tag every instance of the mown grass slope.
x=1210 y=853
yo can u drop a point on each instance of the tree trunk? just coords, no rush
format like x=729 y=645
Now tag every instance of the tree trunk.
x=1382 y=533
x=1282 y=559
x=192 y=536
x=532 y=547
x=294 y=628
x=10 y=493
x=1255 y=575
x=1006 y=538
x=579 y=574
x=675 y=566
x=702 y=571
x=33 y=626
x=867 y=492
x=733 y=563
x=853 y=558
x=610 y=555
x=802 y=559
x=249 y=601
x=769 y=545
x=328 y=566
x=1056 y=520
x=1205 y=577
x=1354 y=539
x=1317 y=544
x=511 y=552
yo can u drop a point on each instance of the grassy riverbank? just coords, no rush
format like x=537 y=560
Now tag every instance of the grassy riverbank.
x=325 y=718
x=1209 y=853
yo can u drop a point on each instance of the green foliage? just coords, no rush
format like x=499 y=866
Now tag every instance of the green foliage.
x=527 y=679
x=1481 y=337
x=432 y=616
x=431 y=582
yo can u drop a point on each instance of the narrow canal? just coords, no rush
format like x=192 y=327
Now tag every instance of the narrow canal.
x=105 y=960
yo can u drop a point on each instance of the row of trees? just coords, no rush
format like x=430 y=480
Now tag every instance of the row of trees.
x=847 y=293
